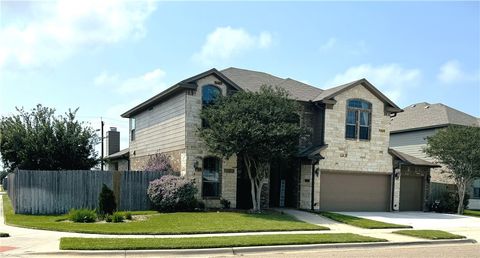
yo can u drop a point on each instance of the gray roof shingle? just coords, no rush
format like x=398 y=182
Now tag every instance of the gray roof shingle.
x=253 y=81
x=426 y=115
x=410 y=160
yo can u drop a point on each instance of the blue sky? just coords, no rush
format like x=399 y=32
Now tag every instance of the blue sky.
x=105 y=57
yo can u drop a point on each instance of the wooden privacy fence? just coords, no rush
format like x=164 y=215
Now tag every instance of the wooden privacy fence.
x=56 y=192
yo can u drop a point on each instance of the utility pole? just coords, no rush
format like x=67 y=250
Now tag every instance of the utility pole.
x=101 y=160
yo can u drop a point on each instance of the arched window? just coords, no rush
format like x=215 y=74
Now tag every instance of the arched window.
x=209 y=94
x=211 y=177
x=359 y=116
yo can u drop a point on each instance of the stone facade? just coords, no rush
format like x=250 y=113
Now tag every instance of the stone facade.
x=306 y=186
x=356 y=155
x=118 y=165
x=139 y=162
x=196 y=149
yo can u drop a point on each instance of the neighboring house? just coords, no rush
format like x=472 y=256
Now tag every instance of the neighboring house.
x=116 y=159
x=344 y=165
x=409 y=131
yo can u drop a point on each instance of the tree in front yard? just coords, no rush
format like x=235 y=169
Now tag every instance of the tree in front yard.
x=39 y=140
x=458 y=148
x=257 y=127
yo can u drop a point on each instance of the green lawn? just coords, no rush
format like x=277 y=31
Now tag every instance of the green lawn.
x=429 y=234
x=166 y=223
x=360 y=222
x=471 y=213
x=74 y=243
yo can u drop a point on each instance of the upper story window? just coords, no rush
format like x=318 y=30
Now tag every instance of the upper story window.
x=209 y=94
x=132 y=129
x=359 y=116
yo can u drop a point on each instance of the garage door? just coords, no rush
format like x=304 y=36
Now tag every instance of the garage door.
x=354 y=192
x=411 y=197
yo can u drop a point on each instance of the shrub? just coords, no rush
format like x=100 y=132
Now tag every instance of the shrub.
x=106 y=201
x=225 y=203
x=117 y=217
x=172 y=193
x=3 y=174
x=448 y=202
x=128 y=215
x=159 y=162
x=108 y=218
x=82 y=215
x=200 y=205
x=2 y=234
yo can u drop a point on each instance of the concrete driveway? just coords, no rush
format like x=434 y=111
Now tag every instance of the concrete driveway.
x=457 y=224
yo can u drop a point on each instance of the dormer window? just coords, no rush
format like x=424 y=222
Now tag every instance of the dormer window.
x=359 y=116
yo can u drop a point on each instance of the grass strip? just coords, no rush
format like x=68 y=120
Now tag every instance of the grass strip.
x=73 y=243
x=360 y=222
x=429 y=234
x=166 y=223
x=471 y=213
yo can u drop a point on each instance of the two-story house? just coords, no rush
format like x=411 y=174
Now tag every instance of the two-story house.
x=408 y=134
x=345 y=165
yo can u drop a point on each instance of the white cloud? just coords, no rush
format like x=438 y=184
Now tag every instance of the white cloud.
x=227 y=42
x=328 y=45
x=451 y=72
x=53 y=31
x=152 y=81
x=337 y=46
x=391 y=79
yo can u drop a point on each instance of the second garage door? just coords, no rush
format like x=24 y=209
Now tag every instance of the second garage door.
x=354 y=192
x=411 y=197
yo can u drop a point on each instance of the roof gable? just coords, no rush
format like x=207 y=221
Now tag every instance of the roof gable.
x=189 y=83
x=329 y=94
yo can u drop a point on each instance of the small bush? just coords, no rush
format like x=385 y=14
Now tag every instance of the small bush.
x=200 y=205
x=225 y=203
x=2 y=234
x=82 y=215
x=448 y=203
x=117 y=217
x=106 y=201
x=108 y=218
x=172 y=193
x=128 y=215
x=159 y=162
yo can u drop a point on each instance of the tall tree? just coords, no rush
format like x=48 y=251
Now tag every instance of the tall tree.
x=40 y=140
x=257 y=127
x=458 y=148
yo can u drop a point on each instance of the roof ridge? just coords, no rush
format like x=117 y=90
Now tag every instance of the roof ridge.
x=306 y=84
x=248 y=70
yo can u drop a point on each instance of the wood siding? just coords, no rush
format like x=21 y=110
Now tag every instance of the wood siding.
x=412 y=143
x=160 y=129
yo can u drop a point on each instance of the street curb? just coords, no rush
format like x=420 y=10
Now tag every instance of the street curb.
x=256 y=249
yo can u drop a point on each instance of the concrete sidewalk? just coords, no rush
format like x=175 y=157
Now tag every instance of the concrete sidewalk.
x=26 y=242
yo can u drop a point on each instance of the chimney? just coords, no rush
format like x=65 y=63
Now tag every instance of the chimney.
x=113 y=141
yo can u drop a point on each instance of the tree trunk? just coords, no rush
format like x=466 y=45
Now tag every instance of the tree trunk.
x=461 y=196
x=257 y=180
